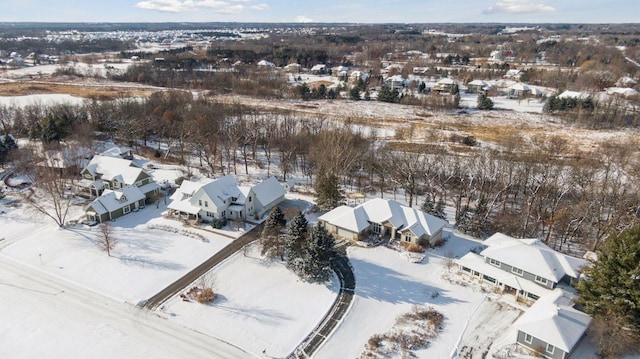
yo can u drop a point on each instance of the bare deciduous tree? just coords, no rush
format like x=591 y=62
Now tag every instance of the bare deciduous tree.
x=106 y=238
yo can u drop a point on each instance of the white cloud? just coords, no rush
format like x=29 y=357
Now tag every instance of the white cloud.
x=518 y=7
x=220 y=6
x=260 y=7
x=302 y=18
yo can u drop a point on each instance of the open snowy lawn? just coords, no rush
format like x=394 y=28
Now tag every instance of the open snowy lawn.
x=260 y=305
x=41 y=99
x=144 y=261
x=388 y=285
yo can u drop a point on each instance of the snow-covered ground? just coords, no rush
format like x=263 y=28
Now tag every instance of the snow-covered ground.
x=144 y=261
x=261 y=305
x=43 y=99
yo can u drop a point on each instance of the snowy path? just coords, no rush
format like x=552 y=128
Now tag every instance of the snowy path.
x=64 y=304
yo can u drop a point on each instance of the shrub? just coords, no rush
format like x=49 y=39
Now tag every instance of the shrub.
x=374 y=342
x=206 y=296
x=218 y=223
x=415 y=248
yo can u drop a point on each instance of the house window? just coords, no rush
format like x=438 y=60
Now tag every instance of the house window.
x=224 y=214
x=249 y=198
x=517 y=271
x=489 y=279
x=126 y=209
x=407 y=238
x=550 y=349
x=200 y=202
x=541 y=280
x=212 y=215
x=494 y=262
x=376 y=228
x=106 y=185
x=528 y=338
x=206 y=203
x=466 y=269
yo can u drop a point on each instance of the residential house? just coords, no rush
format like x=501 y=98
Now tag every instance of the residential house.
x=526 y=268
x=518 y=90
x=319 y=69
x=574 y=95
x=105 y=172
x=552 y=326
x=395 y=82
x=223 y=198
x=293 y=68
x=444 y=84
x=384 y=218
x=478 y=86
x=357 y=75
x=112 y=204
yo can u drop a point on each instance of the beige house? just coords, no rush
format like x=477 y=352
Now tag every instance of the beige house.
x=384 y=218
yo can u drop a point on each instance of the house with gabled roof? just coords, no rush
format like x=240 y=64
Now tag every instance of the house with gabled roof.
x=106 y=172
x=526 y=268
x=222 y=198
x=552 y=326
x=385 y=218
x=113 y=204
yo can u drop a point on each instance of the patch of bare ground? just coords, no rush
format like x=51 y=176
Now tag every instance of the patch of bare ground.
x=78 y=89
x=412 y=331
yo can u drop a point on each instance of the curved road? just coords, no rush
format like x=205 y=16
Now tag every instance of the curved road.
x=203 y=268
x=339 y=308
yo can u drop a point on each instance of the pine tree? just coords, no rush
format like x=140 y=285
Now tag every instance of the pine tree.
x=329 y=195
x=273 y=243
x=315 y=261
x=484 y=102
x=439 y=210
x=610 y=293
x=427 y=206
x=295 y=239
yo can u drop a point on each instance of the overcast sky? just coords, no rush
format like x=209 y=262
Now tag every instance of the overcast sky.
x=354 y=11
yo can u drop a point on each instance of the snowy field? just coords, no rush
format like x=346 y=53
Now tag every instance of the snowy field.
x=145 y=260
x=260 y=305
x=43 y=99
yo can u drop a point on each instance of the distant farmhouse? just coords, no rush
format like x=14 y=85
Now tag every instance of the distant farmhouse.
x=384 y=218
x=223 y=198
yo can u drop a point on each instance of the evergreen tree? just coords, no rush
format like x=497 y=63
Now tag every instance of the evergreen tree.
x=354 y=93
x=329 y=195
x=484 y=102
x=304 y=91
x=436 y=210
x=273 y=243
x=387 y=95
x=610 y=293
x=294 y=241
x=318 y=257
x=439 y=210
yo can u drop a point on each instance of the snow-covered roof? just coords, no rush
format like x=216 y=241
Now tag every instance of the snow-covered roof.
x=622 y=91
x=477 y=263
x=266 y=63
x=380 y=210
x=533 y=256
x=520 y=87
x=573 y=94
x=553 y=320
x=112 y=200
x=268 y=191
x=349 y=218
x=446 y=81
x=106 y=166
x=478 y=83
x=318 y=67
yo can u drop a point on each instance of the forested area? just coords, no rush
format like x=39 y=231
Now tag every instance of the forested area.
x=571 y=199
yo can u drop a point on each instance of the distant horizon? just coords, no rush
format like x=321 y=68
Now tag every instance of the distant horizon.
x=328 y=12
